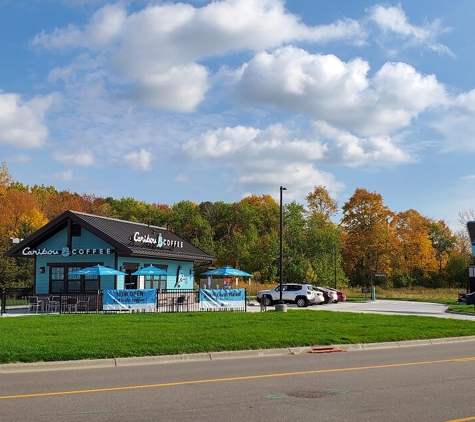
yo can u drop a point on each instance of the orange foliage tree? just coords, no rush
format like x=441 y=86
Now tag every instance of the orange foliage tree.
x=369 y=235
x=413 y=257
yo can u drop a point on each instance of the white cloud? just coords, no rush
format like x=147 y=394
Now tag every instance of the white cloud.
x=457 y=124
x=393 y=21
x=179 y=89
x=246 y=147
x=156 y=52
x=340 y=93
x=260 y=158
x=22 y=122
x=61 y=39
x=79 y=158
x=140 y=160
x=350 y=150
x=64 y=176
x=106 y=25
x=182 y=178
x=19 y=158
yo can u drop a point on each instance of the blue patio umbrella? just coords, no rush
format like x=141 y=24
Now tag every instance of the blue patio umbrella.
x=228 y=272
x=97 y=270
x=151 y=270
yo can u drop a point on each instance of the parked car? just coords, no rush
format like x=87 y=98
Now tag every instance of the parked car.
x=319 y=298
x=470 y=298
x=300 y=294
x=330 y=296
x=341 y=295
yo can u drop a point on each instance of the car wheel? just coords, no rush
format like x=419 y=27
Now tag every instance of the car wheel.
x=301 y=302
x=267 y=301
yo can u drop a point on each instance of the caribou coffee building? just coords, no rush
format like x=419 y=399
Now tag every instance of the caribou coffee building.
x=76 y=240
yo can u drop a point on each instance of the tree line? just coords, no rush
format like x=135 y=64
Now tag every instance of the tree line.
x=369 y=245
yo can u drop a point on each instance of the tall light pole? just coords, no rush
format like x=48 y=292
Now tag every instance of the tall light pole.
x=334 y=263
x=281 y=273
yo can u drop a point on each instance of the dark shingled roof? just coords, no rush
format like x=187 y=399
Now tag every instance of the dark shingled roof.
x=119 y=234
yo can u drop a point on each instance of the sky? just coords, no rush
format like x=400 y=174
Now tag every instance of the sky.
x=165 y=101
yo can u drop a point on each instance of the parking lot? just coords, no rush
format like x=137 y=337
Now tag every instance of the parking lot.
x=387 y=307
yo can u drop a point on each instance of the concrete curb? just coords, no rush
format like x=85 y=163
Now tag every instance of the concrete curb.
x=460 y=313
x=196 y=357
x=56 y=366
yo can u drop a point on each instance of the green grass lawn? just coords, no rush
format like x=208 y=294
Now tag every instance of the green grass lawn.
x=95 y=336
x=470 y=309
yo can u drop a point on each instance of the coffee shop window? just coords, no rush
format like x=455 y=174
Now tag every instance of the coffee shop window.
x=74 y=281
x=156 y=282
x=57 y=279
x=91 y=282
x=79 y=282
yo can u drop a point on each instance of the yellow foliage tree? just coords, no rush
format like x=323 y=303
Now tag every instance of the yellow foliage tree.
x=414 y=253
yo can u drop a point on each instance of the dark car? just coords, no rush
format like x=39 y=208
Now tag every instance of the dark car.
x=461 y=297
x=470 y=298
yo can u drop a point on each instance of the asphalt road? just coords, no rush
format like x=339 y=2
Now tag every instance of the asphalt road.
x=418 y=383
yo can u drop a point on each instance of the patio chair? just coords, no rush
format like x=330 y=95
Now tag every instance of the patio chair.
x=83 y=305
x=180 y=302
x=163 y=304
x=54 y=303
x=71 y=304
x=34 y=304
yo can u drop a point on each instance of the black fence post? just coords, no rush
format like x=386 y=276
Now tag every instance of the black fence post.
x=4 y=301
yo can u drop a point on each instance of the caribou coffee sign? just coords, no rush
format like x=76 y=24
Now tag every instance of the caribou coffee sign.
x=158 y=242
x=65 y=252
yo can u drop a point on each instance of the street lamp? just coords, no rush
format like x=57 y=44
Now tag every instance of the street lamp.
x=334 y=264
x=281 y=274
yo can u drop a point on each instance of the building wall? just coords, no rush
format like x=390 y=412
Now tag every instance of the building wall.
x=183 y=268
x=89 y=249
x=86 y=248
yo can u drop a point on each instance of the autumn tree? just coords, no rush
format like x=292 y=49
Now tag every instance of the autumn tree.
x=5 y=178
x=252 y=240
x=462 y=233
x=443 y=242
x=323 y=239
x=295 y=260
x=186 y=220
x=19 y=217
x=369 y=230
x=413 y=257
x=320 y=202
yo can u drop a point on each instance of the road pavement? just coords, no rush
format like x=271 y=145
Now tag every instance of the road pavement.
x=420 y=383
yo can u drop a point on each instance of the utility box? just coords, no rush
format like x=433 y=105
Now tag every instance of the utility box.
x=471 y=279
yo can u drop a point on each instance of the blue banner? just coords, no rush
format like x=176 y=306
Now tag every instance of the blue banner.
x=223 y=299
x=123 y=300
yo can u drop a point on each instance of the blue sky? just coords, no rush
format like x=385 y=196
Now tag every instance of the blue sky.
x=214 y=101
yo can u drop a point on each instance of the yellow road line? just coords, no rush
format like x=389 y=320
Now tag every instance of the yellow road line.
x=242 y=378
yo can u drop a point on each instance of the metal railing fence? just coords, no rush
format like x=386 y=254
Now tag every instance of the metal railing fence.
x=168 y=300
